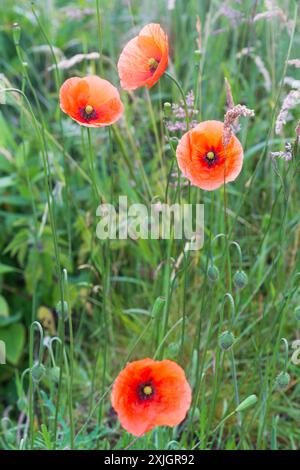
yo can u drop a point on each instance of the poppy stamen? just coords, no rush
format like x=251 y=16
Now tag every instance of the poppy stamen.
x=210 y=158
x=153 y=64
x=88 y=112
x=146 y=391
x=89 y=109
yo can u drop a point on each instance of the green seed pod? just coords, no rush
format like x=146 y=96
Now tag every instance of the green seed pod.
x=10 y=437
x=173 y=349
x=54 y=373
x=297 y=313
x=213 y=273
x=22 y=404
x=16 y=30
x=167 y=109
x=282 y=381
x=249 y=401
x=240 y=279
x=37 y=372
x=226 y=340
x=62 y=312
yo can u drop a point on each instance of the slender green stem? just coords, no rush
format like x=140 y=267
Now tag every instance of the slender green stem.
x=99 y=26
x=71 y=368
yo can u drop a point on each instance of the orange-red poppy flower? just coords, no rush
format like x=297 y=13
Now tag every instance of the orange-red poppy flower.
x=150 y=393
x=91 y=101
x=204 y=160
x=144 y=59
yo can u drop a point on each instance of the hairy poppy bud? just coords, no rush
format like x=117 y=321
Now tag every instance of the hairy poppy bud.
x=282 y=381
x=226 y=340
x=22 y=404
x=16 y=33
x=54 y=373
x=297 y=313
x=10 y=436
x=62 y=312
x=173 y=349
x=249 y=401
x=213 y=273
x=240 y=279
x=37 y=372
x=167 y=109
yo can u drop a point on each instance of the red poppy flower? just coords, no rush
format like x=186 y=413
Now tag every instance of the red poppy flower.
x=91 y=101
x=144 y=59
x=150 y=393
x=204 y=160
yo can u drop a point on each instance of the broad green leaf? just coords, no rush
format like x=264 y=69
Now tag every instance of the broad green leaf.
x=14 y=339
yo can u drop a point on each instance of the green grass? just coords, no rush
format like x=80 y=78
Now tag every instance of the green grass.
x=50 y=253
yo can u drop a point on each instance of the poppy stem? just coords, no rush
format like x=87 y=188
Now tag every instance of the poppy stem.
x=155 y=130
x=92 y=167
x=71 y=369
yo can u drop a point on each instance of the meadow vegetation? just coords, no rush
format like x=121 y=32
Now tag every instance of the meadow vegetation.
x=75 y=309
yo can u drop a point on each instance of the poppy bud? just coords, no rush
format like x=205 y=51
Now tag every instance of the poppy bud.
x=173 y=349
x=54 y=373
x=22 y=404
x=16 y=30
x=297 y=313
x=37 y=372
x=213 y=273
x=226 y=340
x=282 y=381
x=249 y=401
x=10 y=436
x=62 y=312
x=240 y=279
x=167 y=109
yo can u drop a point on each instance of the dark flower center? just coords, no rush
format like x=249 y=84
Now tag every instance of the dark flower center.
x=146 y=391
x=211 y=158
x=153 y=64
x=88 y=112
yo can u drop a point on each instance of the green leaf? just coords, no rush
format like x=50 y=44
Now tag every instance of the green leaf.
x=14 y=339
x=4 y=308
x=4 y=268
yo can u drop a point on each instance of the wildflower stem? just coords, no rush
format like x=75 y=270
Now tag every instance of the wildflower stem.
x=92 y=166
x=235 y=383
x=71 y=368
x=155 y=131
